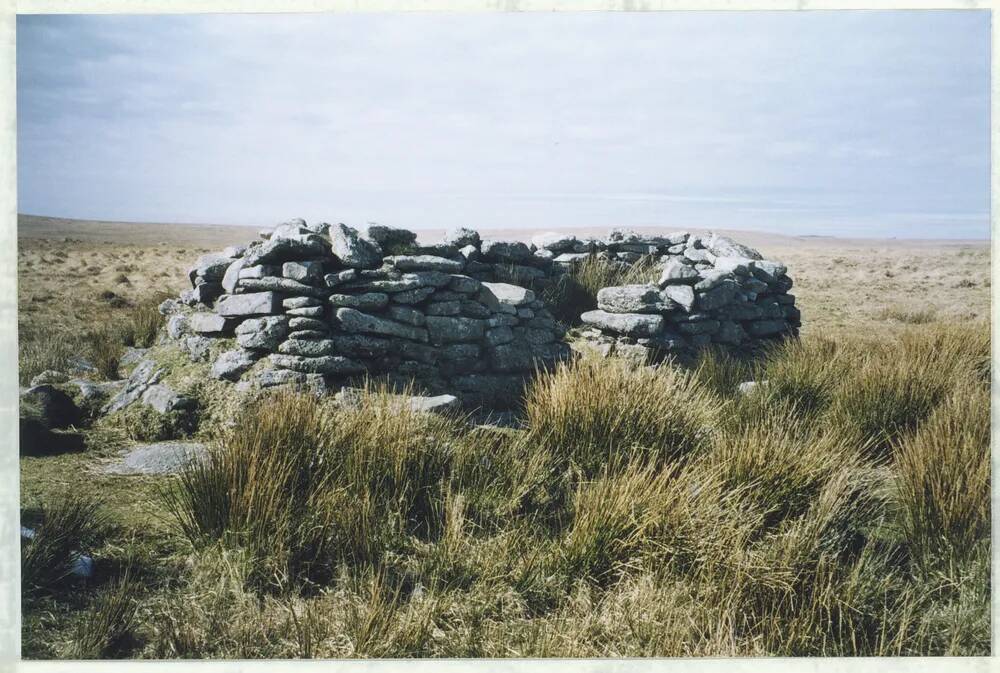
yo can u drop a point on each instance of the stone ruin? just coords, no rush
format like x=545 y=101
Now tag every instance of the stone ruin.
x=710 y=290
x=323 y=306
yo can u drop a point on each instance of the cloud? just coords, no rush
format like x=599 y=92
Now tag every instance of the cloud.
x=256 y=118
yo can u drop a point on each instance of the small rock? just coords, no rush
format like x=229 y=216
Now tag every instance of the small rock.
x=231 y=365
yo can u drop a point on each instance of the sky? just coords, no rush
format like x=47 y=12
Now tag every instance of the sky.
x=803 y=123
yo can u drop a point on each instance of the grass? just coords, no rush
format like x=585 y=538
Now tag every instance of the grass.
x=66 y=528
x=576 y=291
x=103 y=347
x=839 y=509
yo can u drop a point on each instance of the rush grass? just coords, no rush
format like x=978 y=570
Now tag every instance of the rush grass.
x=840 y=508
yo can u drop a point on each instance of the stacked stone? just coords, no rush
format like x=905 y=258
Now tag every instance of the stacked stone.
x=322 y=304
x=711 y=290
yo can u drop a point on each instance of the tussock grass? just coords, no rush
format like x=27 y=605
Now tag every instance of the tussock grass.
x=110 y=623
x=943 y=477
x=908 y=316
x=105 y=350
x=302 y=486
x=68 y=526
x=591 y=411
x=840 y=509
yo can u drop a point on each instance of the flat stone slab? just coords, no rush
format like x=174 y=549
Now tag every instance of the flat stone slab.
x=158 y=458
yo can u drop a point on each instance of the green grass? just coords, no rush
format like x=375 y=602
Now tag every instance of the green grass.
x=840 y=509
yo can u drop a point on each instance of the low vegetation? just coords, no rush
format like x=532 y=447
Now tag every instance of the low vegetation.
x=101 y=345
x=840 y=507
x=576 y=291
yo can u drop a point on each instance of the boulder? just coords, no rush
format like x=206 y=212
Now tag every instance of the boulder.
x=145 y=374
x=177 y=326
x=425 y=263
x=308 y=272
x=282 y=285
x=208 y=323
x=448 y=329
x=505 y=251
x=461 y=237
x=723 y=246
x=301 y=302
x=682 y=295
x=389 y=239
x=232 y=276
x=367 y=301
x=677 y=273
x=719 y=296
x=633 y=299
x=352 y=320
x=352 y=250
x=211 y=267
x=555 y=242
x=50 y=377
x=262 y=333
x=500 y=295
x=278 y=249
x=405 y=314
x=231 y=365
x=163 y=399
x=630 y=324
x=328 y=365
x=711 y=279
x=762 y=328
x=55 y=409
x=308 y=348
x=250 y=304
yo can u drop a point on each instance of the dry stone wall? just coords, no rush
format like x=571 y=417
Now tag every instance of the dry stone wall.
x=322 y=305
x=710 y=290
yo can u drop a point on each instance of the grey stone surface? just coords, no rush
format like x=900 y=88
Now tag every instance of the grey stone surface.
x=329 y=364
x=407 y=315
x=308 y=272
x=633 y=299
x=307 y=312
x=250 y=304
x=445 y=329
x=505 y=251
x=631 y=324
x=389 y=239
x=352 y=320
x=676 y=272
x=711 y=279
x=682 y=295
x=262 y=333
x=163 y=399
x=425 y=263
x=231 y=365
x=157 y=458
x=282 y=285
x=352 y=250
x=498 y=296
x=308 y=348
x=301 y=302
x=232 y=276
x=177 y=326
x=413 y=296
x=461 y=237
x=145 y=374
x=367 y=301
x=277 y=250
